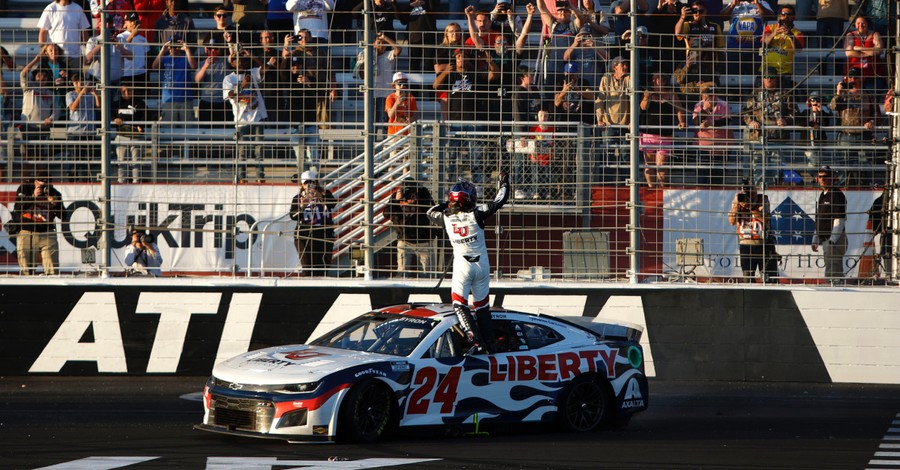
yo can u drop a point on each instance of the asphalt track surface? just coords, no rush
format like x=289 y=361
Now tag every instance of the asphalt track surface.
x=146 y=422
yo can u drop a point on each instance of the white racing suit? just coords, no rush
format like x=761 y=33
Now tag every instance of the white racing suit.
x=471 y=266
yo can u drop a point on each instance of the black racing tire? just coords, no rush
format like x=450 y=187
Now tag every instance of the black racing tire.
x=583 y=404
x=365 y=412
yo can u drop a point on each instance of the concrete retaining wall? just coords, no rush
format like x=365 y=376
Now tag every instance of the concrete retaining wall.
x=177 y=327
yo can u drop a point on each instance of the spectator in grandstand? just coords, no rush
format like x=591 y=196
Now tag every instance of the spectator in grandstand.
x=770 y=109
x=817 y=117
x=527 y=99
x=421 y=34
x=780 y=42
x=589 y=55
x=302 y=89
x=415 y=234
x=176 y=23
x=574 y=99
x=383 y=12
x=209 y=77
x=64 y=23
x=863 y=48
x=613 y=108
x=241 y=88
x=400 y=106
x=559 y=29
x=312 y=209
x=176 y=63
x=751 y=215
x=387 y=52
x=481 y=35
x=505 y=57
x=858 y=110
x=311 y=15
x=661 y=42
x=444 y=53
x=703 y=42
x=115 y=12
x=522 y=37
x=744 y=33
x=38 y=106
x=130 y=114
x=83 y=103
x=444 y=57
x=142 y=255
x=466 y=89
x=224 y=32
x=149 y=12
x=53 y=61
x=710 y=116
x=889 y=100
x=831 y=219
x=620 y=20
x=504 y=19
x=248 y=15
x=542 y=177
x=661 y=113
x=37 y=204
x=117 y=55
x=135 y=73
x=270 y=52
x=830 y=18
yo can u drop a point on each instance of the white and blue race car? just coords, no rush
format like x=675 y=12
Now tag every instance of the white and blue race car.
x=410 y=365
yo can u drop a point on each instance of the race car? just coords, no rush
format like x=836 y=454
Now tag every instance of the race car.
x=410 y=365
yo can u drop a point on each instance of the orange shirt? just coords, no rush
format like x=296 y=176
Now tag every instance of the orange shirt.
x=405 y=111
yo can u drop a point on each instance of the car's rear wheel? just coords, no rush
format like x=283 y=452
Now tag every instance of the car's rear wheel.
x=583 y=404
x=366 y=412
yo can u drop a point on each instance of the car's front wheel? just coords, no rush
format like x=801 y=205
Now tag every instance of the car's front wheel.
x=583 y=404
x=366 y=412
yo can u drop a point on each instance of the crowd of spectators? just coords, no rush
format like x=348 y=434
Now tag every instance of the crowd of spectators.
x=246 y=74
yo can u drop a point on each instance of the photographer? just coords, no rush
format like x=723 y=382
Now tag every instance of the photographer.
x=311 y=208
x=414 y=231
x=750 y=214
x=780 y=42
x=143 y=255
x=37 y=204
x=857 y=109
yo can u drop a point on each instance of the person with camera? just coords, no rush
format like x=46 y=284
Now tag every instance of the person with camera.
x=37 y=204
x=857 y=109
x=142 y=255
x=780 y=42
x=312 y=209
x=241 y=88
x=400 y=106
x=302 y=87
x=414 y=231
x=817 y=117
x=574 y=99
x=750 y=215
x=214 y=68
x=176 y=64
x=831 y=221
x=130 y=143
x=589 y=54
x=704 y=43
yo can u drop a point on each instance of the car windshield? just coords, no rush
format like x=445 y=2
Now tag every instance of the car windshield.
x=392 y=334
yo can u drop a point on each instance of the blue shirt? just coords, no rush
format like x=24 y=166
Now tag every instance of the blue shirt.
x=176 y=79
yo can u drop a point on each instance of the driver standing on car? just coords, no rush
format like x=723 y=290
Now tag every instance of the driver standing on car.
x=464 y=223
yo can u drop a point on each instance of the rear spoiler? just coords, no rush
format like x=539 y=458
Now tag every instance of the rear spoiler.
x=608 y=329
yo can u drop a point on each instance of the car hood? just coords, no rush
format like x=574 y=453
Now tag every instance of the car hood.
x=292 y=364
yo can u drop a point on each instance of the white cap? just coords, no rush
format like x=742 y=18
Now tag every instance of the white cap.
x=308 y=176
x=399 y=76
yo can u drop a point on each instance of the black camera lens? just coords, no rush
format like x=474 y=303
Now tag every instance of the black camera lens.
x=148 y=239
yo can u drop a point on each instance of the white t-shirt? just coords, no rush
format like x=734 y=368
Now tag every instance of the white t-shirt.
x=65 y=24
x=137 y=64
x=245 y=113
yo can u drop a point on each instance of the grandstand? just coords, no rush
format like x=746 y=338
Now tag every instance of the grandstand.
x=218 y=212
